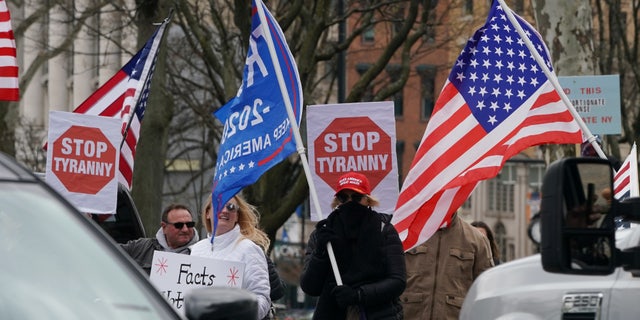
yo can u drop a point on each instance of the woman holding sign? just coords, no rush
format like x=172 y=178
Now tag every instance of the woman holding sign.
x=238 y=238
x=368 y=252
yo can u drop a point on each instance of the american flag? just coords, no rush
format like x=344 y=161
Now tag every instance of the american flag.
x=8 y=63
x=496 y=102
x=625 y=181
x=119 y=94
x=254 y=141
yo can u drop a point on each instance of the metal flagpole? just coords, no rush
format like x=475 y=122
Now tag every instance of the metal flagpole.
x=553 y=79
x=295 y=129
x=145 y=77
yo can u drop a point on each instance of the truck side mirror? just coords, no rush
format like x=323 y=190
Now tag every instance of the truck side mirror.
x=220 y=303
x=577 y=225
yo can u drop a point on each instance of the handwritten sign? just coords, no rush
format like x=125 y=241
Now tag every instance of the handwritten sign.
x=175 y=274
x=597 y=100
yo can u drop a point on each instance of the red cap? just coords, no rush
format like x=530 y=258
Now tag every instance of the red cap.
x=354 y=181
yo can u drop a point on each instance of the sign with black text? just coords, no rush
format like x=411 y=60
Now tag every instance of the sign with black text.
x=597 y=100
x=174 y=274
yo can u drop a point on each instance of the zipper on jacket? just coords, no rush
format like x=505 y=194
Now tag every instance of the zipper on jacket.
x=435 y=276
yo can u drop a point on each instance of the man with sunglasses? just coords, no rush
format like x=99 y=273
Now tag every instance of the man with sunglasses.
x=176 y=234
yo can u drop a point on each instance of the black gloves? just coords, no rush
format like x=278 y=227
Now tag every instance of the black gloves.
x=323 y=235
x=346 y=296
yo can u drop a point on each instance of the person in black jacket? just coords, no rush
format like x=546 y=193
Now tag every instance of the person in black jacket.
x=369 y=256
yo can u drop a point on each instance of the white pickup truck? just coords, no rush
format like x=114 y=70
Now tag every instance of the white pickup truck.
x=523 y=289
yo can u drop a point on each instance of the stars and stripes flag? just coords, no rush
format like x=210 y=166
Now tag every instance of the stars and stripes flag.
x=625 y=181
x=9 y=90
x=258 y=131
x=495 y=103
x=125 y=96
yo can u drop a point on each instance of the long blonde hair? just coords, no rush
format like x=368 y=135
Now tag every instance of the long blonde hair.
x=248 y=217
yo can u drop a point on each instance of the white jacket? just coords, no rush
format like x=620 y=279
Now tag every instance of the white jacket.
x=232 y=246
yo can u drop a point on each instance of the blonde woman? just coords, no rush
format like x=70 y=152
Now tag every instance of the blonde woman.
x=238 y=238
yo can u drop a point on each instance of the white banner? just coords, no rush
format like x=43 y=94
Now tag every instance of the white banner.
x=358 y=137
x=82 y=159
x=175 y=274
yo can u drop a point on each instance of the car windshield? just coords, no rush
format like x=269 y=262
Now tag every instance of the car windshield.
x=54 y=266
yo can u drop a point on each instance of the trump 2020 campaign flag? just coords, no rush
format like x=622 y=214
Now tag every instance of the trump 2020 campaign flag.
x=495 y=103
x=257 y=131
x=625 y=181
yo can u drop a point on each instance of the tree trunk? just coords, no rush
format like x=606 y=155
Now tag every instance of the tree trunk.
x=566 y=28
x=148 y=175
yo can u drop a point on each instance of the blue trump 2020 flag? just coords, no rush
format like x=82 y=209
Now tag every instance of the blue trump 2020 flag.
x=257 y=131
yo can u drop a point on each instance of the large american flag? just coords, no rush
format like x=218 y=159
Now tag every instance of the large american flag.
x=496 y=102
x=118 y=96
x=625 y=181
x=8 y=63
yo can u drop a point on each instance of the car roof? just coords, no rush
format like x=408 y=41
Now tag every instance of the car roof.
x=10 y=170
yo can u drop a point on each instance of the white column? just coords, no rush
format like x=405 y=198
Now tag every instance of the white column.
x=58 y=86
x=110 y=53
x=33 y=107
x=129 y=36
x=84 y=57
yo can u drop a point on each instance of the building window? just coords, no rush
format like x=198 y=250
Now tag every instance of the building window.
x=395 y=71
x=536 y=172
x=398 y=19
x=467 y=204
x=369 y=35
x=427 y=89
x=399 y=156
x=500 y=234
x=361 y=68
x=501 y=190
x=468 y=7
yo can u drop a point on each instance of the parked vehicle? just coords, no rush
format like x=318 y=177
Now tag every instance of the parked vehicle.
x=56 y=263
x=125 y=224
x=586 y=269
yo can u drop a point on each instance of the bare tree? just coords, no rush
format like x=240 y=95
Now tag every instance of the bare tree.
x=40 y=12
x=598 y=37
x=567 y=30
x=205 y=60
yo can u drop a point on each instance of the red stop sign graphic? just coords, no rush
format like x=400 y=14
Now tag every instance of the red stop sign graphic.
x=83 y=160
x=353 y=144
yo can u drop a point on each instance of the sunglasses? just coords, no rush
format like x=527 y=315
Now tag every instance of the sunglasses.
x=344 y=198
x=179 y=225
x=231 y=207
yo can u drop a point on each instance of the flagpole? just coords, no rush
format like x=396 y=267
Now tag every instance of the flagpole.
x=143 y=79
x=553 y=79
x=295 y=129
x=633 y=173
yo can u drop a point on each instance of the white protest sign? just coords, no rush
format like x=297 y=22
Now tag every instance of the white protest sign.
x=357 y=137
x=175 y=274
x=82 y=159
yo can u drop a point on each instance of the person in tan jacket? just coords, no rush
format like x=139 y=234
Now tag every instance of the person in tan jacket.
x=441 y=270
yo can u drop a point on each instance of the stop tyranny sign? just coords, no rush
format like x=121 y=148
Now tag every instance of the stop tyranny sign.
x=83 y=159
x=353 y=144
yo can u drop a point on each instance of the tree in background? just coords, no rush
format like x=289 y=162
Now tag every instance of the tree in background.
x=206 y=59
x=597 y=37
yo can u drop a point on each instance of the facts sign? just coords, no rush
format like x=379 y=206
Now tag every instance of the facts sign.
x=352 y=144
x=83 y=159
